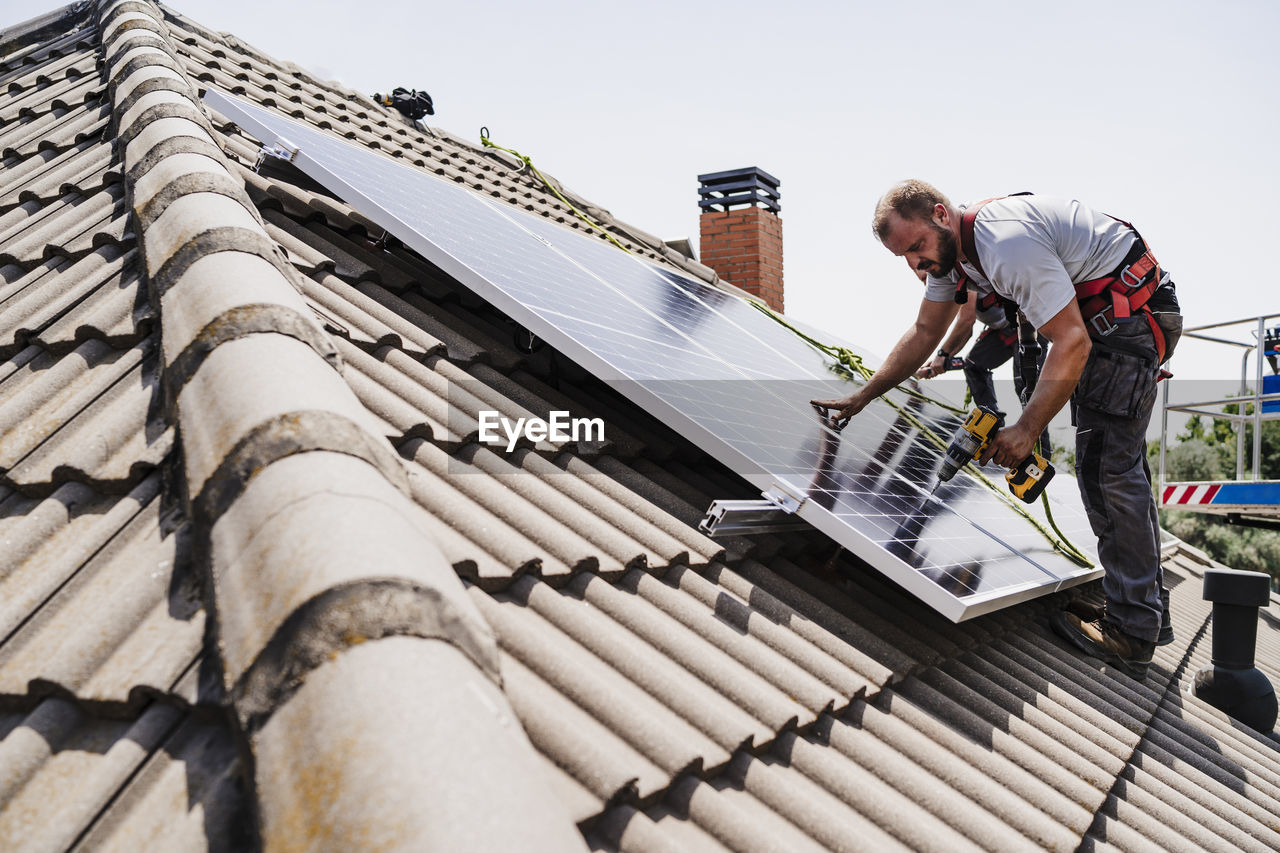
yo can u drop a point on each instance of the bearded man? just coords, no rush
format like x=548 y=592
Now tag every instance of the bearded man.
x=1090 y=285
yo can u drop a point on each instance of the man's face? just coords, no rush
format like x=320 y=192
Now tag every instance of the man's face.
x=925 y=245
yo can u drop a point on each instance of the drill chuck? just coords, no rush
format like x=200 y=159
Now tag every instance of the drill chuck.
x=1027 y=480
x=960 y=452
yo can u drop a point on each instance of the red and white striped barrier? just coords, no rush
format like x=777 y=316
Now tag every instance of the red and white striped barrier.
x=1190 y=494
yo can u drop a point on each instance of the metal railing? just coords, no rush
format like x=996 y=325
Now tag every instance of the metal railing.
x=1264 y=343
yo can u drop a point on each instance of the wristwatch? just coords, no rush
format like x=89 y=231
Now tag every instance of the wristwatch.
x=946 y=356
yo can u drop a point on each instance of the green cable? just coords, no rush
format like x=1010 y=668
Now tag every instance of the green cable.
x=484 y=140
x=853 y=361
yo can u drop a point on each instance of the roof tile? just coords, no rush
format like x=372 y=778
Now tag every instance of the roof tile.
x=43 y=392
x=64 y=767
x=46 y=541
x=765 y=693
x=656 y=731
x=188 y=795
x=72 y=225
x=339 y=766
x=62 y=303
x=367 y=321
x=599 y=759
x=268 y=561
x=126 y=624
x=56 y=130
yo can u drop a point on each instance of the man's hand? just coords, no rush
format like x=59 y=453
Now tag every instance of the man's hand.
x=937 y=367
x=1010 y=446
x=845 y=408
x=907 y=356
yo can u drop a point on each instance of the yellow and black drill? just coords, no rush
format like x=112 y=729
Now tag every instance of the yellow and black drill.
x=1026 y=480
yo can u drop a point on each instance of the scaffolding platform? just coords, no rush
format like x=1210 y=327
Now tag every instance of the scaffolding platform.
x=1248 y=498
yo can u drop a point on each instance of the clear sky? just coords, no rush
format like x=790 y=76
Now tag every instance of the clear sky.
x=1163 y=113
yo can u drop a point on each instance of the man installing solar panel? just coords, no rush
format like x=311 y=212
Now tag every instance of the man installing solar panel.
x=1089 y=284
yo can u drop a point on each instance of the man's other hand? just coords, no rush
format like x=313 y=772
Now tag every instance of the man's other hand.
x=936 y=367
x=844 y=408
x=1010 y=446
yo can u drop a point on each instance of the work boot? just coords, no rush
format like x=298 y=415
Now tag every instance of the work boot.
x=1090 y=612
x=1104 y=640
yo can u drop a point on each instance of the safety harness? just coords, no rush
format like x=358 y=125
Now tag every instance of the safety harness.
x=1104 y=302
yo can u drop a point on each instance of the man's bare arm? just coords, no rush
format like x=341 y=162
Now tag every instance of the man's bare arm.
x=961 y=331
x=908 y=354
x=1058 y=378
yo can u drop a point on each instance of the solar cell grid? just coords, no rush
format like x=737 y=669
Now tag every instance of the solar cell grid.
x=730 y=378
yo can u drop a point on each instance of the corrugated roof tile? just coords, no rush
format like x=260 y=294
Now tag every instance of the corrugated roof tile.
x=482 y=547
x=459 y=346
x=63 y=767
x=597 y=758
x=807 y=805
x=46 y=541
x=406 y=408
x=715 y=715
x=43 y=396
x=704 y=816
x=38 y=93
x=768 y=694
x=655 y=730
x=62 y=303
x=44 y=175
x=367 y=321
x=71 y=225
x=559 y=536
x=189 y=795
x=125 y=625
x=50 y=60
x=22 y=56
x=54 y=131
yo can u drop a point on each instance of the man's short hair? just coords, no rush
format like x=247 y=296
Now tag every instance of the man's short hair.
x=910 y=199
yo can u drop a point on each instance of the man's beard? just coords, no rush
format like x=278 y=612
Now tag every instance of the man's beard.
x=948 y=251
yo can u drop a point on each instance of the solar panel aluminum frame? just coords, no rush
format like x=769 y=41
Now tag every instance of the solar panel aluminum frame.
x=821 y=518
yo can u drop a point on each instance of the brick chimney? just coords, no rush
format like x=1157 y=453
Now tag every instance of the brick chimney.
x=741 y=233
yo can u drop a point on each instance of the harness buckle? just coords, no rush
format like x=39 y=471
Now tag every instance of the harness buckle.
x=1131 y=279
x=1102 y=324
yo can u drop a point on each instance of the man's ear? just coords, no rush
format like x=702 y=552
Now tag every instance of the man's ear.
x=941 y=215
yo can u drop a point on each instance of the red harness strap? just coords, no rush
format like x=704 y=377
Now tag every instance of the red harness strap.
x=1113 y=299
x=968 y=247
x=967 y=244
x=1104 y=302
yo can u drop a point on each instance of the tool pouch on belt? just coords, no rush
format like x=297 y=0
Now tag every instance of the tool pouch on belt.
x=1117 y=382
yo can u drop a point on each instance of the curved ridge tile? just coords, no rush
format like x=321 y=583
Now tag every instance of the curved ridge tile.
x=279 y=526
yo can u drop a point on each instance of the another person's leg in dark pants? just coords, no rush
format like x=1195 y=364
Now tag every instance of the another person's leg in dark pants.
x=992 y=349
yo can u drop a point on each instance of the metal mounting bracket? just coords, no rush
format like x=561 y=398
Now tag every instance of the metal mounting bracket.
x=281 y=149
x=773 y=514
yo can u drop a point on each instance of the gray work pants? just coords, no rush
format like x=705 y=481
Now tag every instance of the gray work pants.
x=1112 y=406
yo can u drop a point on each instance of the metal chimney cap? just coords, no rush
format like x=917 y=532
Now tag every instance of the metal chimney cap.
x=1245 y=589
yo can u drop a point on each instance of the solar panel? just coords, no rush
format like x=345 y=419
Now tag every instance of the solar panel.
x=726 y=376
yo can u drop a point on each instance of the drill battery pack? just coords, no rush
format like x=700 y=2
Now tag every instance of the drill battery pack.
x=1029 y=478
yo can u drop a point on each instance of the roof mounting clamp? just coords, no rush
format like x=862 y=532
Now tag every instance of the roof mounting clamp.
x=281 y=149
x=775 y=513
x=783 y=498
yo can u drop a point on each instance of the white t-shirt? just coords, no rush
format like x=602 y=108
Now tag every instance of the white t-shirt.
x=1035 y=249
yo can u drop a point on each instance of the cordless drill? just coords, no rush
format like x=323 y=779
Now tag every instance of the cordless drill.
x=1026 y=480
